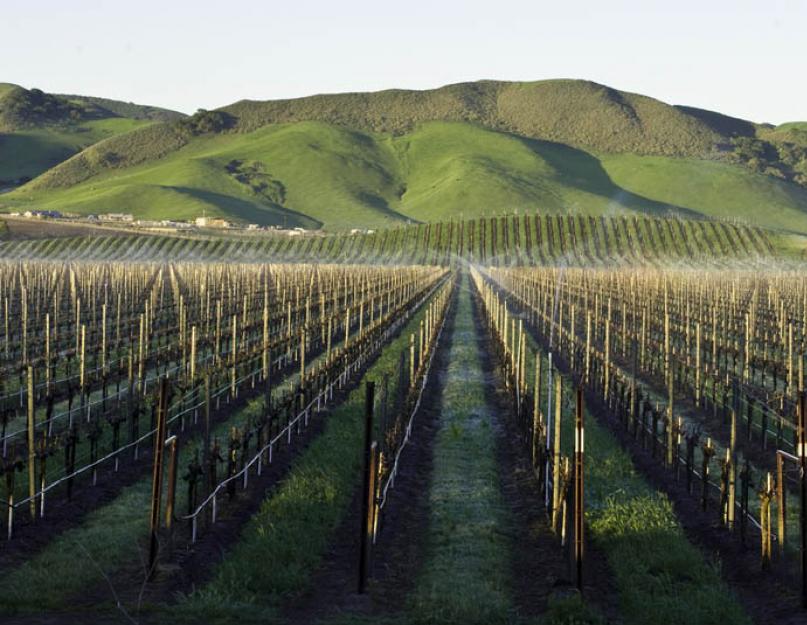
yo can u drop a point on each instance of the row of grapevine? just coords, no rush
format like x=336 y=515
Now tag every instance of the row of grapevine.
x=504 y=241
x=85 y=344
x=703 y=369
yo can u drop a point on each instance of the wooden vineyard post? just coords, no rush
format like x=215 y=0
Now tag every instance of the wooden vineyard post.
x=367 y=504
x=536 y=412
x=206 y=429
x=31 y=443
x=801 y=453
x=547 y=455
x=666 y=340
x=157 y=472
x=732 y=454
x=556 y=469
x=707 y=451
x=765 y=496
x=302 y=357
x=171 y=443
x=47 y=357
x=82 y=365
x=781 y=503
x=670 y=421
x=265 y=344
x=579 y=504
x=24 y=313
x=607 y=363
x=643 y=338
x=193 y=354
x=234 y=358
x=103 y=339
x=347 y=327
x=588 y=347
x=698 y=364
x=790 y=387
x=141 y=387
x=745 y=478
x=411 y=360
x=328 y=343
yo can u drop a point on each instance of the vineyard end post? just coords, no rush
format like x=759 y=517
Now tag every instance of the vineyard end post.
x=367 y=508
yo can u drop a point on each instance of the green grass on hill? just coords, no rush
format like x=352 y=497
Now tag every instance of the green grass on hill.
x=312 y=173
x=792 y=126
x=573 y=112
x=6 y=87
x=377 y=159
x=127 y=109
x=29 y=152
x=712 y=188
x=40 y=130
x=576 y=112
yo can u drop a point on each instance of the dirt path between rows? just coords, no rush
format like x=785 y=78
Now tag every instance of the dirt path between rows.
x=539 y=566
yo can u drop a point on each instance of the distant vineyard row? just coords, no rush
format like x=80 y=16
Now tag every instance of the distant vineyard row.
x=522 y=240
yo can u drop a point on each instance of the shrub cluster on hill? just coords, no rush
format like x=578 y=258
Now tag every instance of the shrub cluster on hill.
x=783 y=160
x=254 y=175
x=25 y=107
x=204 y=121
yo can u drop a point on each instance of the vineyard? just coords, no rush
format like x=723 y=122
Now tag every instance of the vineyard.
x=523 y=419
x=507 y=240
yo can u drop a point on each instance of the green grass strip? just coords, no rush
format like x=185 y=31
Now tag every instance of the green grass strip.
x=466 y=576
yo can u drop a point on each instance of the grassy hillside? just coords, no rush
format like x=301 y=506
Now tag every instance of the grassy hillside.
x=40 y=130
x=311 y=174
x=576 y=113
x=791 y=132
x=29 y=152
x=712 y=188
x=129 y=110
x=569 y=111
x=6 y=87
x=472 y=149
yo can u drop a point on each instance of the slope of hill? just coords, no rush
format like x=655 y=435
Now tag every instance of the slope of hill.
x=311 y=174
x=40 y=130
x=791 y=132
x=129 y=110
x=368 y=159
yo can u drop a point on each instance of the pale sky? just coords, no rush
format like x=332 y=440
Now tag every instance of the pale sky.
x=746 y=58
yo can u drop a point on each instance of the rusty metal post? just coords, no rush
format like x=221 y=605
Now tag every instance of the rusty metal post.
x=781 y=502
x=368 y=491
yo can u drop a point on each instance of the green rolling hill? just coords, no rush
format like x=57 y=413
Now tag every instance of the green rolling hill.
x=461 y=151
x=39 y=130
